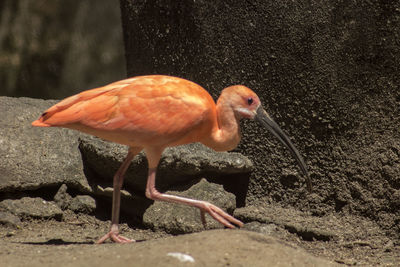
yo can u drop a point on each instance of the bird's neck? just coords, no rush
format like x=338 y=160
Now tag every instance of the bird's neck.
x=226 y=136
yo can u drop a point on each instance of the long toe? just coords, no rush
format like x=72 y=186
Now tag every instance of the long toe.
x=219 y=215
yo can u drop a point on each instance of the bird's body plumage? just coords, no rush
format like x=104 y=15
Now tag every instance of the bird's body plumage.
x=143 y=111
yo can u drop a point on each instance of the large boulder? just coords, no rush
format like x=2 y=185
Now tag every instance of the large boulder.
x=33 y=158
x=177 y=164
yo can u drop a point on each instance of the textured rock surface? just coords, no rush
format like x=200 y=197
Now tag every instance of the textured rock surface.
x=62 y=198
x=84 y=204
x=178 y=219
x=33 y=208
x=177 y=165
x=9 y=219
x=33 y=157
x=301 y=223
x=209 y=248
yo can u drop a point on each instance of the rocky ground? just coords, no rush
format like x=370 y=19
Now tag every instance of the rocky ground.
x=55 y=199
x=273 y=237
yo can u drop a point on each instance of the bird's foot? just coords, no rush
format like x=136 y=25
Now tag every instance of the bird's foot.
x=218 y=214
x=115 y=237
x=113 y=234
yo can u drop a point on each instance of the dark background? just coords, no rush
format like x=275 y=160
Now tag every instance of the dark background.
x=53 y=49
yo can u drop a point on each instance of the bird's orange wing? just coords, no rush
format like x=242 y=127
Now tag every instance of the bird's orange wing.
x=145 y=108
x=73 y=109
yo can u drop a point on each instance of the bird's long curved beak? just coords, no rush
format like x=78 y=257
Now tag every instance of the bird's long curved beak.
x=265 y=120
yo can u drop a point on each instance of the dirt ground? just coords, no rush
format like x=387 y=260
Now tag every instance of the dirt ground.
x=48 y=243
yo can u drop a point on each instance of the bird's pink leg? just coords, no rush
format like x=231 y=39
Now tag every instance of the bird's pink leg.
x=205 y=207
x=113 y=234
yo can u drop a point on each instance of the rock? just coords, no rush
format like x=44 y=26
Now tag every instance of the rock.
x=83 y=204
x=177 y=164
x=133 y=205
x=9 y=219
x=62 y=198
x=263 y=228
x=35 y=208
x=33 y=157
x=108 y=192
x=178 y=219
x=197 y=159
x=220 y=247
x=305 y=226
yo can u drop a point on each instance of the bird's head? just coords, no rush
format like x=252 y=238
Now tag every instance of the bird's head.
x=246 y=104
x=242 y=100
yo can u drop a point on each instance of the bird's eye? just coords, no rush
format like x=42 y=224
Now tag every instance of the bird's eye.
x=250 y=100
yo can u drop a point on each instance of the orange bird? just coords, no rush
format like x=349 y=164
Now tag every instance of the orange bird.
x=153 y=112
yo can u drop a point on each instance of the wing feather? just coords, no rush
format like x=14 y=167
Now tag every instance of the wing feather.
x=139 y=108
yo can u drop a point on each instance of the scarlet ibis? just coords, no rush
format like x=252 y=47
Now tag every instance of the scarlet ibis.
x=153 y=112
